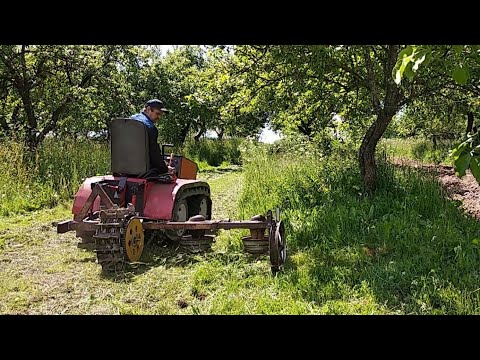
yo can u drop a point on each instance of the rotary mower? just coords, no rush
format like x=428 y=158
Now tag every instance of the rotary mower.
x=114 y=214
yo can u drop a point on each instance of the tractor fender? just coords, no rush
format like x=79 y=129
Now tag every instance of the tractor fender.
x=161 y=198
x=86 y=189
x=84 y=192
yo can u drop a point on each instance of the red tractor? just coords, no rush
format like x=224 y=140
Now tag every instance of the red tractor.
x=114 y=212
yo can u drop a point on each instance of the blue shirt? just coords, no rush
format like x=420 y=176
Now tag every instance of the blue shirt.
x=143 y=118
x=156 y=158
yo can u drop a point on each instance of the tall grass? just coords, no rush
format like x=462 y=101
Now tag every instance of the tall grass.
x=418 y=149
x=214 y=152
x=405 y=250
x=54 y=173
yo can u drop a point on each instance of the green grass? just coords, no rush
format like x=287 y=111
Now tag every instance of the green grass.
x=31 y=182
x=417 y=149
x=213 y=152
x=56 y=171
x=405 y=250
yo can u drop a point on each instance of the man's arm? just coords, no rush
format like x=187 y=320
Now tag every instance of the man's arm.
x=156 y=158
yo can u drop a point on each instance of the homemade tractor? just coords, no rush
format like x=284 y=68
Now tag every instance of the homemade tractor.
x=115 y=213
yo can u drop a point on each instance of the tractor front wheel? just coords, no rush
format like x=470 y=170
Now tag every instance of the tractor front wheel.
x=180 y=214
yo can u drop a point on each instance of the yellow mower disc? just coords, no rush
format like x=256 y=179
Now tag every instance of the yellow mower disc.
x=134 y=240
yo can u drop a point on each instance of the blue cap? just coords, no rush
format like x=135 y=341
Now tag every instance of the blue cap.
x=156 y=104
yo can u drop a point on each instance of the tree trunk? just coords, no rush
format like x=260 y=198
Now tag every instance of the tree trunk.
x=469 y=122
x=366 y=154
x=197 y=136
x=220 y=133
x=391 y=104
x=183 y=133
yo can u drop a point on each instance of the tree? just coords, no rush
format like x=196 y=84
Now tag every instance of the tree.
x=461 y=62
x=302 y=86
x=46 y=87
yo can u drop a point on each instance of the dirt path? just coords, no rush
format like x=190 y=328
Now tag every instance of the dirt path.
x=466 y=189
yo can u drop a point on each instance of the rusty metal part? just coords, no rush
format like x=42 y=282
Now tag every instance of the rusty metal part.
x=277 y=246
x=110 y=238
x=257 y=242
x=206 y=225
x=96 y=191
x=134 y=240
x=164 y=225
x=196 y=245
x=255 y=246
x=197 y=234
x=64 y=226
x=82 y=226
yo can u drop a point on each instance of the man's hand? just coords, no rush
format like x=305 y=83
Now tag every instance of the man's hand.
x=171 y=170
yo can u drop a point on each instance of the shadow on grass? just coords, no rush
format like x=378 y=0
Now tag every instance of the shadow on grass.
x=166 y=253
x=223 y=170
x=170 y=254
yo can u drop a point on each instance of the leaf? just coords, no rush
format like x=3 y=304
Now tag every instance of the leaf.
x=475 y=168
x=419 y=61
x=458 y=48
x=404 y=58
x=409 y=73
x=461 y=164
x=459 y=150
x=406 y=52
x=460 y=75
x=398 y=76
x=370 y=213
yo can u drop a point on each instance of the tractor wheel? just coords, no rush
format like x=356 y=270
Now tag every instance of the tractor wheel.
x=277 y=246
x=180 y=214
x=199 y=206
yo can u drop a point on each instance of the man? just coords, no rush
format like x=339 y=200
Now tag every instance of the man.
x=150 y=114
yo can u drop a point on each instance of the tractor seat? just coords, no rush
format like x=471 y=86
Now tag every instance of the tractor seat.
x=129 y=147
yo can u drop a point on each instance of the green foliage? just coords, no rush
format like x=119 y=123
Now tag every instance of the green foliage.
x=406 y=250
x=67 y=89
x=465 y=156
x=425 y=151
x=461 y=75
x=409 y=60
x=54 y=174
x=416 y=149
x=454 y=57
x=213 y=151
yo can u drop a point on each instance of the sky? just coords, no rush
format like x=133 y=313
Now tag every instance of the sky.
x=269 y=136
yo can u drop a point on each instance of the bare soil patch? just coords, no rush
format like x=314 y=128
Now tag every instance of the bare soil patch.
x=465 y=189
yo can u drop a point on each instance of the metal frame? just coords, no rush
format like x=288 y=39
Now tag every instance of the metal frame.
x=275 y=239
